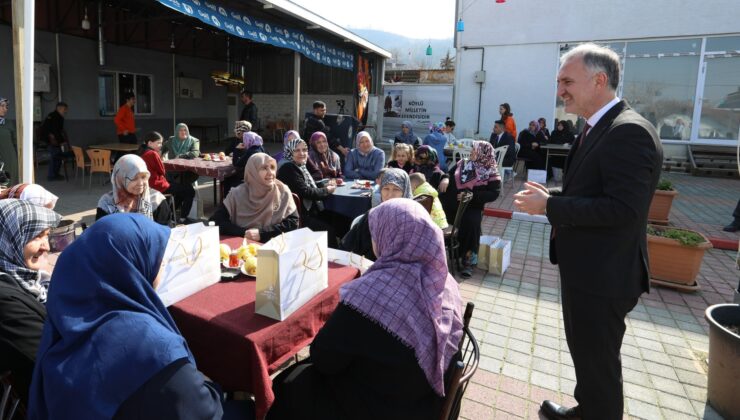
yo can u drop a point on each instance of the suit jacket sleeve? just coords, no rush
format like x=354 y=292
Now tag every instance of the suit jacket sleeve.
x=627 y=166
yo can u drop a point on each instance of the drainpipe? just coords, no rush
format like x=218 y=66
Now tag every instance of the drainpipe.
x=480 y=85
x=59 y=69
x=101 y=50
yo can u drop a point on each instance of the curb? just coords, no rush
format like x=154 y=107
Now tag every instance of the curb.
x=718 y=243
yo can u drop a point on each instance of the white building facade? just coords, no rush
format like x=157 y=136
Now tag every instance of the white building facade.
x=680 y=60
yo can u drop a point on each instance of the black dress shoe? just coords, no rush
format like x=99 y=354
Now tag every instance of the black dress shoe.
x=732 y=227
x=557 y=412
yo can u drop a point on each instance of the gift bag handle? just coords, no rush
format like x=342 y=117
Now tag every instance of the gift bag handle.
x=192 y=262
x=305 y=259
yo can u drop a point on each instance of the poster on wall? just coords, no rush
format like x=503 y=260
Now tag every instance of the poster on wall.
x=363 y=88
x=422 y=105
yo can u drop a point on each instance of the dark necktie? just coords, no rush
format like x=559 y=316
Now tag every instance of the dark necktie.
x=584 y=133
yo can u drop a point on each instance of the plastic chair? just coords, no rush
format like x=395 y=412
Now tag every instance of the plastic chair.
x=80 y=163
x=500 y=153
x=426 y=201
x=9 y=402
x=99 y=162
x=506 y=169
x=464 y=367
x=297 y=201
x=451 y=243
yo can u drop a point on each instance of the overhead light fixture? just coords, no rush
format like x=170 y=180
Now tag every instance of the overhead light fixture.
x=267 y=6
x=460 y=25
x=85 y=21
x=347 y=40
x=172 y=42
x=312 y=27
x=429 y=49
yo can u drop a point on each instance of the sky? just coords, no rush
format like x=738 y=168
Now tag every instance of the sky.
x=422 y=19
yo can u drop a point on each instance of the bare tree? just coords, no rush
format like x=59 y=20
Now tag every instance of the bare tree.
x=447 y=63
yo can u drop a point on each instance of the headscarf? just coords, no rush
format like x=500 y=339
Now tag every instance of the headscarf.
x=359 y=136
x=409 y=138
x=287 y=135
x=250 y=138
x=436 y=127
x=536 y=127
x=20 y=222
x=481 y=171
x=329 y=158
x=125 y=170
x=408 y=290
x=432 y=159
x=107 y=332
x=6 y=102
x=33 y=193
x=399 y=178
x=255 y=204
x=181 y=147
x=241 y=127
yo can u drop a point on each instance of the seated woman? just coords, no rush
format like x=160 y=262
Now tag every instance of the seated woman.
x=260 y=208
x=183 y=193
x=437 y=141
x=108 y=329
x=384 y=352
x=562 y=134
x=427 y=163
x=325 y=159
x=402 y=157
x=288 y=136
x=364 y=161
x=479 y=175
x=530 y=140
x=33 y=193
x=182 y=145
x=237 y=141
x=295 y=175
x=24 y=279
x=394 y=183
x=131 y=193
x=407 y=136
x=252 y=143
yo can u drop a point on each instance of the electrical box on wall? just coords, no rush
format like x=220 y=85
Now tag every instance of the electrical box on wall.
x=479 y=76
x=189 y=88
x=41 y=77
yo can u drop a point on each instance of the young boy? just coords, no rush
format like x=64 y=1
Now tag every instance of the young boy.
x=419 y=185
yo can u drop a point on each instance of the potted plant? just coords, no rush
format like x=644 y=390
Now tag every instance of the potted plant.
x=660 y=207
x=724 y=359
x=675 y=256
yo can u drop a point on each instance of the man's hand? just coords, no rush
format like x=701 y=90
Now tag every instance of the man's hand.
x=443 y=185
x=125 y=132
x=252 y=234
x=331 y=188
x=533 y=199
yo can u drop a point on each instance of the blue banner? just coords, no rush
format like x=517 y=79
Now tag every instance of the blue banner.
x=246 y=27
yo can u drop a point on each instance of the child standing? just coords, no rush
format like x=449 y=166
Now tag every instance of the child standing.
x=402 y=157
x=419 y=185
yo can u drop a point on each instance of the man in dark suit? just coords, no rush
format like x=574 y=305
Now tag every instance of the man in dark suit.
x=249 y=112
x=499 y=138
x=598 y=223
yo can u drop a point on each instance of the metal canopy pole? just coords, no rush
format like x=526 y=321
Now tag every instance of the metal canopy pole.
x=23 y=47
x=296 y=89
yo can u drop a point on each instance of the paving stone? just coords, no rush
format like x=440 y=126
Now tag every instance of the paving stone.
x=642 y=410
x=567 y=386
x=634 y=376
x=511 y=404
x=639 y=392
x=657 y=357
x=543 y=340
x=545 y=366
x=546 y=353
x=475 y=410
x=656 y=369
x=675 y=415
x=696 y=393
x=691 y=378
x=668 y=386
x=545 y=380
x=493 y=351
x=515 y=371
x=520 y=346
x=521 y=359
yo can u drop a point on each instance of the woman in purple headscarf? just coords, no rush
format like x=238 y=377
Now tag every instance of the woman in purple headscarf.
x=478 y=174
x=251 y=143
x=384 y=351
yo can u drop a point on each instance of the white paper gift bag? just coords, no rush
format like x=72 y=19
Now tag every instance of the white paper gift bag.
x=499 y=257
x=291 y=269
x=349 y=259
x=537 y=175
x=483 y=250
x=191 y=262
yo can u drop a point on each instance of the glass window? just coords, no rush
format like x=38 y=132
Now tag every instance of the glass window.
x=720 y=109
x=106 y=94
x=674 y=46
x=662 y=89
x=724 y=44
x=143 y=94
x=125 y=85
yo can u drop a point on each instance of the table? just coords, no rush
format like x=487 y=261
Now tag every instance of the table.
x=555 y=150
x=216 y=170
x=116 y=147
x=349 y=201
x=239 y=349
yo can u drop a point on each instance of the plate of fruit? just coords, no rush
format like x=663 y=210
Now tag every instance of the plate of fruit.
x=214 y=157
x=243 y=259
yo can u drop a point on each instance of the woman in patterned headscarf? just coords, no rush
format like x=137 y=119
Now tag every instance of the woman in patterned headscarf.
x=24 y=280
x=427 y=163
x=325 y=159
x=33 y=193
x=131 y=193
x=384 y=351
x=479 y=175
x=296 y=176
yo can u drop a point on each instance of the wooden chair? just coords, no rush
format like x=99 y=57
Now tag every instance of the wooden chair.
x=9 y=402
x=297 y=201
x=464 y=367
x=80 y=164
x=99 y=162
x=426 y=201
x=452 y=245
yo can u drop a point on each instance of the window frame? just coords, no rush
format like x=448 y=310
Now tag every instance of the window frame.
x=116 y=94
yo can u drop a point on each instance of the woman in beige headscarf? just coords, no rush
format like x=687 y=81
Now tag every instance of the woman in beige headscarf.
x=260 y=208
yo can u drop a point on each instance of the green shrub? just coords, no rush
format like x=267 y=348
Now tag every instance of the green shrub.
x=664 y=185
x=684 y=237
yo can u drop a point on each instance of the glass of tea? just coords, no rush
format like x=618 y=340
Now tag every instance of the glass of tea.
x=233 y=259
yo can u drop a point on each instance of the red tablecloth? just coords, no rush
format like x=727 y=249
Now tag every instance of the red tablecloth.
x=240 y=349
x=217 y=170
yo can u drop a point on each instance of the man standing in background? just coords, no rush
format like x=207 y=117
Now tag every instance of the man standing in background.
x=125 y=125
x=249 y=112
x=52 y=131
x=8 y=151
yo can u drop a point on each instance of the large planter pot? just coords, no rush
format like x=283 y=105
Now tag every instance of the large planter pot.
x=660 y=207
x=675 y=263
x=724 y=360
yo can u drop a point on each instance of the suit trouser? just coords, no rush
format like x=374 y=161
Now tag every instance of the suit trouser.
x=594 y=328
x=736 y=213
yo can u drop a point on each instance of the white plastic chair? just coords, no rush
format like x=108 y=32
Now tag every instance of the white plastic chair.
x=506 y=169
x=500 y=153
